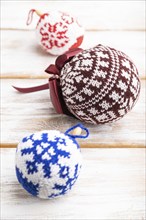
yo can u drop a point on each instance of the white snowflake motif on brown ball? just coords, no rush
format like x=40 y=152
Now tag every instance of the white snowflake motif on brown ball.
x=115 y=96
x=105 y=80
x=105 y=105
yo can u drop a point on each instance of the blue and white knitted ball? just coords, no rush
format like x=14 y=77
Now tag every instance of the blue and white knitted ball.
x=48 y=162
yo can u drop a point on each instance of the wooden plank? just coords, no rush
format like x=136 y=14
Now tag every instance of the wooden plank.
x=26 y=113
x=23 y=58
x=97 y=15
x=111 y=186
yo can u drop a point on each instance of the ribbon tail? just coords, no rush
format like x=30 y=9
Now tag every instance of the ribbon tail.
x=32 y=89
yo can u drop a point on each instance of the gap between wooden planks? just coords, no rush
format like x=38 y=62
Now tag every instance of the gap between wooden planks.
x=28 y=60
x=23 y=114
x=86 y=145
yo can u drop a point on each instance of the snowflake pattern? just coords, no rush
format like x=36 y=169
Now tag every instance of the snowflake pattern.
x=115 y=96
x=93 y=111
x=105 y=105
x=102 y=74
x=50 y=166
x=101 y=117
x=104 y=80
x=57 y=32
x=54 y=35
x=122 y=85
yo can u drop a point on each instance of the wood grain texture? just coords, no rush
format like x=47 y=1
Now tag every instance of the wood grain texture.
x=112 y=182
x=111 y=186
x=22 y=57
x=97 y=15
x=26 y=113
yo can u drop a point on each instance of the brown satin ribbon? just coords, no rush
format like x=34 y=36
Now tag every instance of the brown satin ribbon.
x=54 y=82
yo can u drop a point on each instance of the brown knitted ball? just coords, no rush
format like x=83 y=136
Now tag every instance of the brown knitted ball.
x=100 y=85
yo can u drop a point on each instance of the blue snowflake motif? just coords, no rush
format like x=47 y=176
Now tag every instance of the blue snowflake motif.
x=47 y=151
x=48 y=163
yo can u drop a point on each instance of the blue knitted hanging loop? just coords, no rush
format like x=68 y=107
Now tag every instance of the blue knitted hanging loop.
x=78 y=136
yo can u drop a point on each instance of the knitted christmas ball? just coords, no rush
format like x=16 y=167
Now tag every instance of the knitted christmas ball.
x=57 y=31
x=99 y=85
x=48 y=162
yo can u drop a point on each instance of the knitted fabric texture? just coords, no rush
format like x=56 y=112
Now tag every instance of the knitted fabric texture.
x=100 y=85
x=48 y=163
x=58 y=32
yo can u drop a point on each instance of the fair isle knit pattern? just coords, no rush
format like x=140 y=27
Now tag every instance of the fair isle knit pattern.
x=48 y=163
x=100 y=85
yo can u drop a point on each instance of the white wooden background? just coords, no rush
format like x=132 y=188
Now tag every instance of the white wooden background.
x=111 y=187
x=94 y=15
x=112 y=182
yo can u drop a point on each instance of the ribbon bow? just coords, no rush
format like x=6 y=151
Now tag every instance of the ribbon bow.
x=54 y=82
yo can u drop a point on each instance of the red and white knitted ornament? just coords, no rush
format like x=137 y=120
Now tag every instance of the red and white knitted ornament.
x=57 y=32
x=98 y=85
